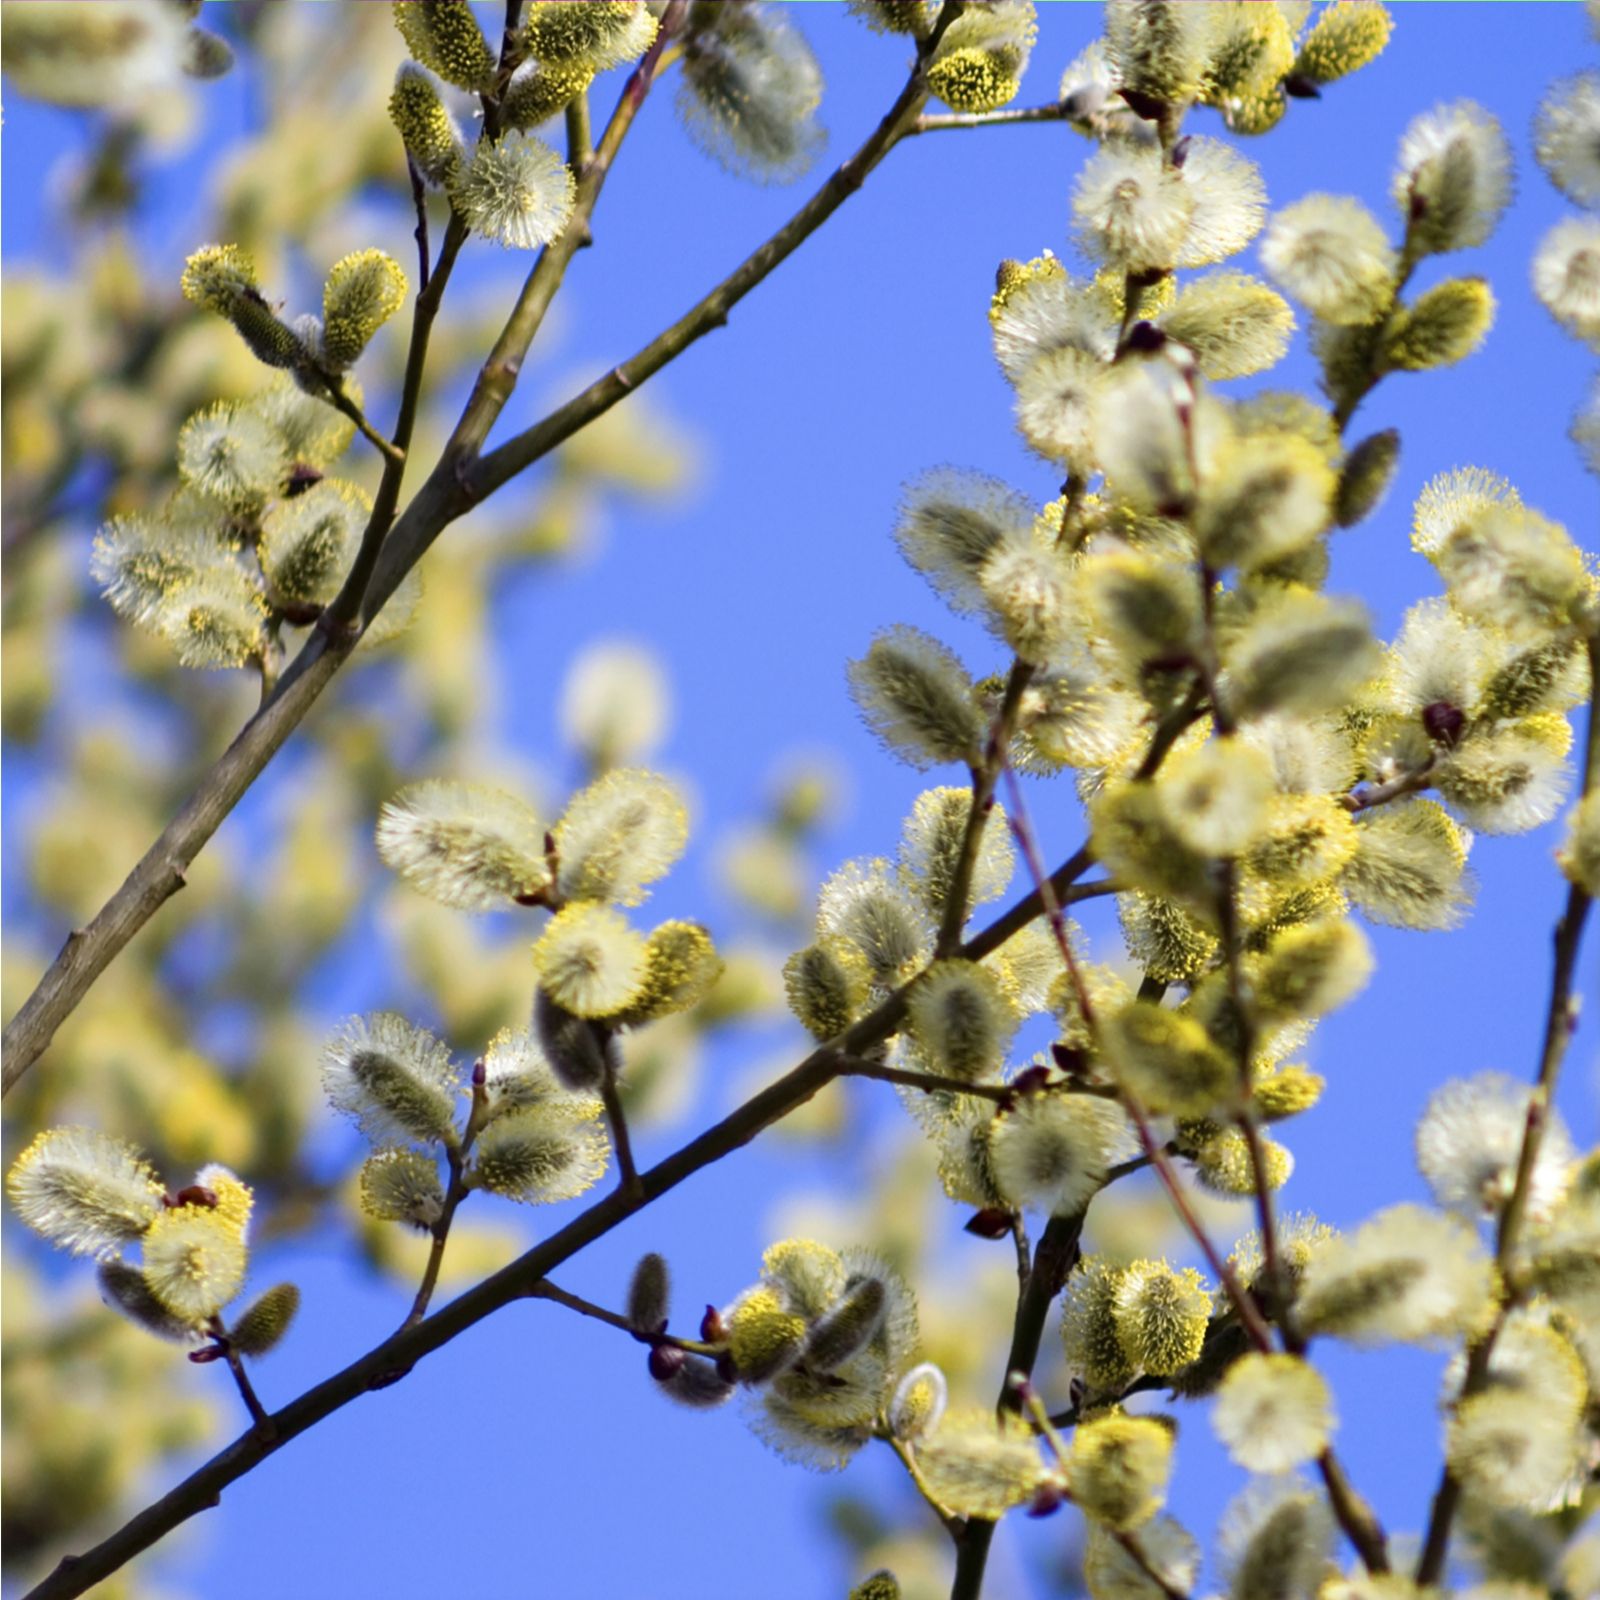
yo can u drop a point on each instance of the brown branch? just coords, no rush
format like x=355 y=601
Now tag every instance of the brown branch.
x=1560 y=1019
x=1010 y=116
x=614 y=1319
x=984 y=777
x=235 y=1364
x=396 y=1356
x=443 y=497
x=1052 y=1261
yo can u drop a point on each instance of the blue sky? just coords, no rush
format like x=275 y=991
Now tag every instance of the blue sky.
x=530 y=1456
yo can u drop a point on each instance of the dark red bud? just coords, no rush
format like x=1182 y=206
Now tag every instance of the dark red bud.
x=1180 y=152
x=195 y=1195
x=1147 y=107
x=1046 y=1499
x=1072 y=1061
x=1299 y=87
x=990 y=1223
x=480 y=1074
x=1444 y=722
x=666 y=1362
x=1144 y=338
x=1030 y=1080
x=301 y=477
x=711 y=1326
x=212 y=1352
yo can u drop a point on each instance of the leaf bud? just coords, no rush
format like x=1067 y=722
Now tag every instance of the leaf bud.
x=919 y=1403
x=665 y=1362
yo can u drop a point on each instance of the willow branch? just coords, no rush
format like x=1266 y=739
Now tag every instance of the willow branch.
x=397 y=1355
x=628 y=1174
x=614 y=1319
x=334 y=393
x=1560 y=1020
x=953 y=1524
x=241 y=1379
x=451 y=490
x=984 y=777
x=711 y=311
x=1052 y=1261
x=1011 y=116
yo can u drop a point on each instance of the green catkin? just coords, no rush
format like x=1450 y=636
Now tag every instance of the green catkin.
x=262 y=1325
x=425 y=125
x=1348 y=35
x=1445 y=325
x=445 y=36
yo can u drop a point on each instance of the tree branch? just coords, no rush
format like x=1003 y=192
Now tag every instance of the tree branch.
x=442 y=498
x=395 y=1357
x=984 y=778
x=1009 y=116
x=1560 y=1020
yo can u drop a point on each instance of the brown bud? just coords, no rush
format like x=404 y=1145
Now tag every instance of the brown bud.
x=1444 y=722
x=1047 y=1499
x=666 y=1362
x=990 y=1223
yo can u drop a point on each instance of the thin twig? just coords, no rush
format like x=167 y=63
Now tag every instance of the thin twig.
x=241 y=1378
x=982 y=803
x=628 y=1174
x=546 y=1290
x=1560 y=1020
x=1397 y=788
x=333 y=391
x=953 y=1525
x=1010 y=116
x=419 y=198
x=928 y=1082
